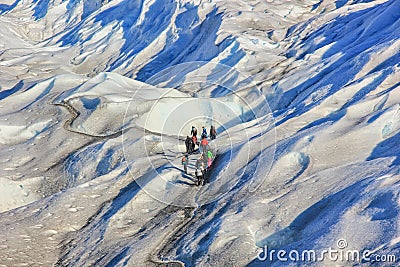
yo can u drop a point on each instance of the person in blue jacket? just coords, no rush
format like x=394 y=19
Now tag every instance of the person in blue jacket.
x=204 y=133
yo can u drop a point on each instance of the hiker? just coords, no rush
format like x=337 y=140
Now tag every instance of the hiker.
x=213 y=133
x=203 y=145
x=188 y=144
x=199 y=163
x=194 y=141
x=210 y=158
x=204 y=133
x=193 y=132
x=200 y=166
x=185 y=160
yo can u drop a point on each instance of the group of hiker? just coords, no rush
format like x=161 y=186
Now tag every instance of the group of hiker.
x=207 y=156
x=191 y=142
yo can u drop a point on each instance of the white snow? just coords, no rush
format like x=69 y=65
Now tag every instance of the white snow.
x=17 y=193
x=10 y=134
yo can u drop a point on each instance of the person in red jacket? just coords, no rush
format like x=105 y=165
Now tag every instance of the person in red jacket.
x=203 y=145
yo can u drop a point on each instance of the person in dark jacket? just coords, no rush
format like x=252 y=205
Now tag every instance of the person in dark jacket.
x=213 y=133
x=193 y=132
x=188 y=144
x=194 y=142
